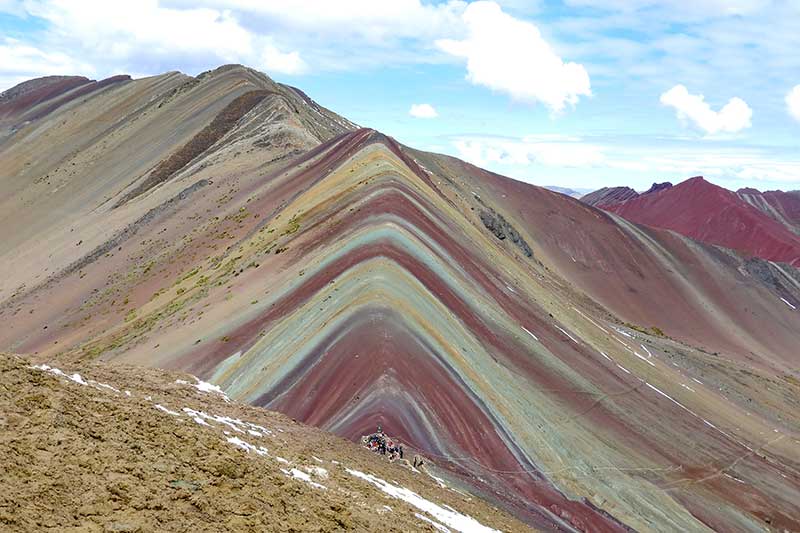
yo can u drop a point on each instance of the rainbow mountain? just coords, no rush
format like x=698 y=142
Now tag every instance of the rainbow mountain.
x=578 y=370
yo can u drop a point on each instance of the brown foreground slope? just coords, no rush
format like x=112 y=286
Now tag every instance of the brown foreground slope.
x=128 y=449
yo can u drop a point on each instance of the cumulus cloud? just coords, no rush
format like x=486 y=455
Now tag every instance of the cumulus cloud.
x=510 y=55
x=564 y=159
x=144 y=36
x=679 y=9
x=733 y=117
x=273 y=60
x=546 y=150
x=423 y=111
x=21 y=58
x=372 y=20
x=20 y=61
x=793 y=102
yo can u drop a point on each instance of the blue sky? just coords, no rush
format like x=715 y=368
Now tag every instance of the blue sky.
x=577 y=93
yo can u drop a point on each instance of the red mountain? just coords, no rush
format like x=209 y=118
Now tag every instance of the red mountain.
x=711 y=214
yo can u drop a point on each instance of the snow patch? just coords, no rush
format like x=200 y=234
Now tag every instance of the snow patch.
x=235 y=424
x=204 y=386
x=317 y=471
x=98 y=385
x=562 y=330
x=302 y=476
x=452 y=519
x=168 y=411
x=531 y=334
x=246 y=446
x=439 y=481
x=74 y=377
x=623 y=332
x=643 y=358
x=733 y=478
x=435 y=524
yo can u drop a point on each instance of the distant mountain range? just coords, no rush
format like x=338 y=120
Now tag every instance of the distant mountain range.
x=765 y=225
x=575 y=193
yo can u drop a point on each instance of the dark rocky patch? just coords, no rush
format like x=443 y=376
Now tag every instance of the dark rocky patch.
x=658 y=187
x=207 y=137
x=501 y=229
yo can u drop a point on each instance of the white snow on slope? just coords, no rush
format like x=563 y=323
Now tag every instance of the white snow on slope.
x=235 y=424
x=74 y=377
x=643 y=358
x=302 y=476
x=531 y=334
x=590 y=320
x=246 y=446
x=452 y=519
x=204 y=386
x=435 y=524
x=562 y=330
x=168 y=411
x=623 y=332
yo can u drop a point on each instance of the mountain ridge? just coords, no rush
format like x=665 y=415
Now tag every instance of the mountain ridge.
x=333 y=274
x=709 y=213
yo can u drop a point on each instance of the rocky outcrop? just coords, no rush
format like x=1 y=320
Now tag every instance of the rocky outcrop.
x=658 y=187
x=501 y=229
x=609 y=196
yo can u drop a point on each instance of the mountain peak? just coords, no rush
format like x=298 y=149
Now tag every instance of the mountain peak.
x=658 y=187
x=609 y=196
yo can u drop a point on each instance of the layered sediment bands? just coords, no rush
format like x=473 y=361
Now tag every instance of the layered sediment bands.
x=779 y=205
x=24 y=96
x=620 y=377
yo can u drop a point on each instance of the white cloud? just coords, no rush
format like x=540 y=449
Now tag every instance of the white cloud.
x=118 y=28
x=422 y=111
x=146 y=36
x=637 y=162
x=546 y=150
x=510 y=55
x=793 y=103
x=17 y=57
x=375 y=21
x=13 y=7
x=273 y=60
x=733 y=117
x=20 y=62
x=679 y=9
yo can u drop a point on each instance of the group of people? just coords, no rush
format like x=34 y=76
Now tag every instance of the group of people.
x=380 y=443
